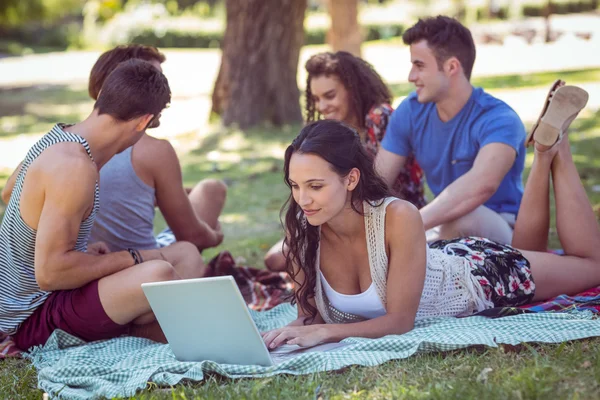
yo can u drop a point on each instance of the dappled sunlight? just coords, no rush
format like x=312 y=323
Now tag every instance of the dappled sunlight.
x=588 y=161
x=218 y=156
x=81 y=110
x=233 y=218
x=234 y=142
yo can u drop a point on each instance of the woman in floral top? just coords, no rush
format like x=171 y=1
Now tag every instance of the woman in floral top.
x=346 y=88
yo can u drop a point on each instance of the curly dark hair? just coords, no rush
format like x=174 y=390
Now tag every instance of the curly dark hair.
x=340 y=146
x=447 y=38
x=363 y=83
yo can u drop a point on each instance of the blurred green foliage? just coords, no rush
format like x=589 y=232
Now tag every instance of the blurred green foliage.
x=37 y=25
x=198 y=38
x=17 y=12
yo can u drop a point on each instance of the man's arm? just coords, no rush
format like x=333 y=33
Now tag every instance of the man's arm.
x=67 y=200
x=173 y=201
x=10 y=184
x=474 y=188
x=388 y=165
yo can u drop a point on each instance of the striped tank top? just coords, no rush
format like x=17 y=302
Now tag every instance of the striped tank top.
x=20 y=295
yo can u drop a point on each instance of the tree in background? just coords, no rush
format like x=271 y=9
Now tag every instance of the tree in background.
x=547 y=24
x=345 y=33
x=257 y=80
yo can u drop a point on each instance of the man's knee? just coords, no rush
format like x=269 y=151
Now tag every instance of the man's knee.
x=158 y=271
x=482 y=222
x=181 y=251
x=216 y=187
x=460 y=227
x=187 y=250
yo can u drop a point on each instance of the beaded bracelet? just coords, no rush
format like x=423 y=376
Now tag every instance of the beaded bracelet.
x=135 y=254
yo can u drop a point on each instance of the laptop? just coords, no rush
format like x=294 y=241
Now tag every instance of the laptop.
x=208 y=319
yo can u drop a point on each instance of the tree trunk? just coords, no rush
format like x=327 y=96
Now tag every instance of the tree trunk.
x=257 y=81
x=345 y=33
x=547 y=24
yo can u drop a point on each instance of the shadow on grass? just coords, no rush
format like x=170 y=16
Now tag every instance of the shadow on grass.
x=516 y=81
x=34 y=109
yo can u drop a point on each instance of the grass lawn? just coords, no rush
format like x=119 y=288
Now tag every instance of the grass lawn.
x=251 y=163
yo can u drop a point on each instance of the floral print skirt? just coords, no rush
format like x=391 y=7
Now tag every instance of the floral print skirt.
x=502 y=271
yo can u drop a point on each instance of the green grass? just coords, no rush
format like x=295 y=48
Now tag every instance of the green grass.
x=33 y=110
x=555 y=371
x=251 y=164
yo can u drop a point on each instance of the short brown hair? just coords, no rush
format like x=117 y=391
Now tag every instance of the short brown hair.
x=447 y=38
x=135 y=88
x=109 y=60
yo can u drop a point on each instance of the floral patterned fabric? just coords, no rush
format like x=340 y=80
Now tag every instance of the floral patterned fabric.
x=503 y=272
x=409 y=184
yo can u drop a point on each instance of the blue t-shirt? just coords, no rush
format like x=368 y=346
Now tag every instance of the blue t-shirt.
x=447 y=150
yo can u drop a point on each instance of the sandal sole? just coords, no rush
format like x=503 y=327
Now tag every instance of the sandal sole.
x=564 y=106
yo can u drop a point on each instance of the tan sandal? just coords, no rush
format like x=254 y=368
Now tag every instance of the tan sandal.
x=561 y=108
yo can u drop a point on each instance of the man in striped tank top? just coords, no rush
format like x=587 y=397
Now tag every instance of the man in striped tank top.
x=52 y=278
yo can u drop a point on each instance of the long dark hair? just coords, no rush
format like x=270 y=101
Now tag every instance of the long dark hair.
x=364 y=85
x=341 y=147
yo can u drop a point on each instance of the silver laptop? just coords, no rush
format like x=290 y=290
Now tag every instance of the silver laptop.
x=208 y=319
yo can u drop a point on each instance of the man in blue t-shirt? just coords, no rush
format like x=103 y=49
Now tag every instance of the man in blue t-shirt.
x=469 y=144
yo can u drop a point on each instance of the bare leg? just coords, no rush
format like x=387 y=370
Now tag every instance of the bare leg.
x=150 y=331
x=275 y=258
x=533 y=220
x=577 y=230
x=575 y=219
x=124 y=301
x=185 y=259
x=208 y=200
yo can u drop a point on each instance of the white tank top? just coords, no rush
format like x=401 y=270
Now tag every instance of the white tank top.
x=366 y=304
x=450 y=289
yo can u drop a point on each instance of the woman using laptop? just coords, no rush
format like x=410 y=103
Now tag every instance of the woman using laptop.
x=361 y=263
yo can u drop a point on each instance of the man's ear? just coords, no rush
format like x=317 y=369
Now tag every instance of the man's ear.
x=452 y=66
x=353 y=178
x=143 y=121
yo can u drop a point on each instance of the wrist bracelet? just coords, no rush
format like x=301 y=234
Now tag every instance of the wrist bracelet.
x=141 y=260
x=134 y=254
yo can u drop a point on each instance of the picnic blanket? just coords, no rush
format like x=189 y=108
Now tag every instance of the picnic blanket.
x=587 y=300
x=119 y=367
x=261 y=289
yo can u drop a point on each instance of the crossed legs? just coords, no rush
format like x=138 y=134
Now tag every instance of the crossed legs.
x=576 y=224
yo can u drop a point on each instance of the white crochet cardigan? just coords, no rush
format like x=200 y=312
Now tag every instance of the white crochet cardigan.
x=450 y=288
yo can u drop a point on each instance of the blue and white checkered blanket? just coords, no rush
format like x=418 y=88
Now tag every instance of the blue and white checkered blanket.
x=120 y=367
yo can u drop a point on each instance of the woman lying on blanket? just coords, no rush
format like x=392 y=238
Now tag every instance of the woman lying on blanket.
x=360 y=260
x=346 y=88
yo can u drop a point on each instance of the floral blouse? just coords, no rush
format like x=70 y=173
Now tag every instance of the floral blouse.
x=409 y=184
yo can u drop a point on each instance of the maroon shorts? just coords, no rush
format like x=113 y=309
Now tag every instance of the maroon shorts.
x=77 y=312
